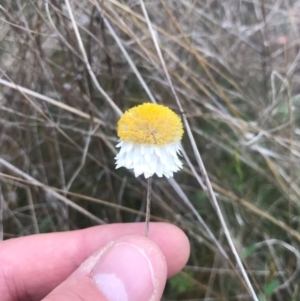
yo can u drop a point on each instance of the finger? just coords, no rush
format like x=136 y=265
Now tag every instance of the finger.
x=33 y=266
x=129 y=268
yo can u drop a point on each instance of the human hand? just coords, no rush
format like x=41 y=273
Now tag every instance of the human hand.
x=104 y=263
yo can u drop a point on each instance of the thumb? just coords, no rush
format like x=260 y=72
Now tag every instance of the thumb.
x=131 y=268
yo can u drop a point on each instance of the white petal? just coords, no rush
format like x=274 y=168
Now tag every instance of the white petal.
x=163 y=156
x=153 y=162
x=151 y=148
x=171 y=149
x=120 y=143
x=119 y=165
x=129 y=159
x=148 y=153
x=136 y=154
x=178 y=162
x=149 y=159
x=159 y=170
x=122 y=151
x=128 y=146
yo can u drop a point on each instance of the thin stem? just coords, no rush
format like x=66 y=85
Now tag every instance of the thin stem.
x=148 y=206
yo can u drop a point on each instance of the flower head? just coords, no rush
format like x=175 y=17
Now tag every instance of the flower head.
x=150 y=137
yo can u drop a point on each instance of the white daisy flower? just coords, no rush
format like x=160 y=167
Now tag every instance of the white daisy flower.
x=149 y=143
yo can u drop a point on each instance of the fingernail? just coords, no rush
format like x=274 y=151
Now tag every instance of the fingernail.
x=124 y=272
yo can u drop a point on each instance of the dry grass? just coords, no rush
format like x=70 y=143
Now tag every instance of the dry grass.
x=68 y=70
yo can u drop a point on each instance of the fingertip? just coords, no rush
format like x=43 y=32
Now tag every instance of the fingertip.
x=174 y=244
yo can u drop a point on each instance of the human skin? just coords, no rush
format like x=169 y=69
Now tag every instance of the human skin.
x=35 y=266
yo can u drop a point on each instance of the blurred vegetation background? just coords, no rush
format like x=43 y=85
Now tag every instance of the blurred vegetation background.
x=68 y=68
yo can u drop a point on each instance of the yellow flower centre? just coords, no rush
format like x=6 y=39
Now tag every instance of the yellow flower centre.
x=150 y=124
